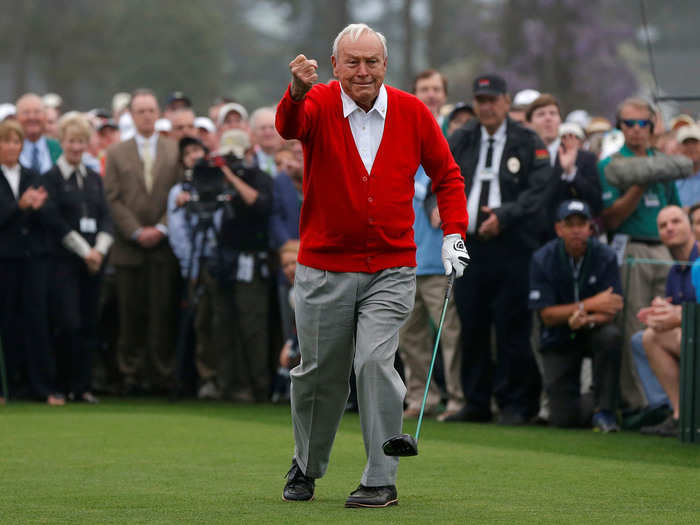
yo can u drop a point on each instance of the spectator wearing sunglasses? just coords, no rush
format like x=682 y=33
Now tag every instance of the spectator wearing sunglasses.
x=630 y=218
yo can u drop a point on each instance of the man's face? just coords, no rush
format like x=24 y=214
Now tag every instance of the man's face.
x=183 y=124
x=491 y=109
x=636 y=135
x=431 y=91
x=695 y=223
x=458 y=121
x=107 y=136
x=518 y=115
x=360 y=67
x=208 y=138
x=291 y=162
x=233 y=120
x=574 y=231
x=545 y=121
x=265 y=134
x=144 y=112
x=691 y=149
x=31 y=115
x=674 y=227
x=191 y=155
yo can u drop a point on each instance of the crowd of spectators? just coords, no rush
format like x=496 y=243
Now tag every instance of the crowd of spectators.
x=148 y=250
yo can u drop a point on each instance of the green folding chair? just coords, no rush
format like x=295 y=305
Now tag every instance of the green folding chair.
x=690 y=374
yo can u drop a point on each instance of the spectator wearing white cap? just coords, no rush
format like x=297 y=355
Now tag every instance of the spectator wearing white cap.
x=6 y=111
x=521 y=101
x=120 y=105
x=689 y=189
x=164 y=127
x=232 y=116
x=574 y=170
x=206 y=132
x=580 y=117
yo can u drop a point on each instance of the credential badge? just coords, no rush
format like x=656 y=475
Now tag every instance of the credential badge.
x=513 y=165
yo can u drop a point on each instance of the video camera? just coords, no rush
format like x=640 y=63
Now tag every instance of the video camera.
x=208 y=187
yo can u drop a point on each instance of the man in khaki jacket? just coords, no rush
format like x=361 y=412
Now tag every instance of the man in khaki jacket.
x=138 y=176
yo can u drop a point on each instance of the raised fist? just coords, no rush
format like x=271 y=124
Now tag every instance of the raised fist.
x=303 y=75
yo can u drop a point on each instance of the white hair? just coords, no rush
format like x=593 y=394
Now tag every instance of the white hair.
x=354 y=31
x=257 y=113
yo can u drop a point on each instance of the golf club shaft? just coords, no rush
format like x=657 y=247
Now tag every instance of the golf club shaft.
x=450 y=282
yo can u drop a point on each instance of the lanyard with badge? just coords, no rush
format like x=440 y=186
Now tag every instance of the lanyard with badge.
x=88 y=225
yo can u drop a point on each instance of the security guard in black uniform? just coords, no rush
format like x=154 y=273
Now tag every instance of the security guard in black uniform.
x=506 y=169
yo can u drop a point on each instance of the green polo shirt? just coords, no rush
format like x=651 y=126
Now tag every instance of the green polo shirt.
x=642 y=221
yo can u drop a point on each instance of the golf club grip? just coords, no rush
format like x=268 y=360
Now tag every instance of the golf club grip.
x=450 y=282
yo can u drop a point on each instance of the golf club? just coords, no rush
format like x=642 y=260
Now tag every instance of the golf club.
x=406 y=444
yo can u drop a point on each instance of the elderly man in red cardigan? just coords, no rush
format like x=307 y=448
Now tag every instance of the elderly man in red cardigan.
x=355 y=278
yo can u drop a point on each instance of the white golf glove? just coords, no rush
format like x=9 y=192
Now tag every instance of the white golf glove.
x=454 y=254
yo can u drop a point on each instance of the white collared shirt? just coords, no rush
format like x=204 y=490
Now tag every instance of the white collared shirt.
x=12 y=176
x=553 y=149
x=25 y=158
x=491 y=174
x=150 y=142
x=68 y=169
x=367 y=127
x=266 y=163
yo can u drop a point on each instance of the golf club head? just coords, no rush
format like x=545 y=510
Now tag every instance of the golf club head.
x=401 y=445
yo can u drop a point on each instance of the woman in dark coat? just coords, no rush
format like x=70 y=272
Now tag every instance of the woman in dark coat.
x=79 y=252
x=26 y=223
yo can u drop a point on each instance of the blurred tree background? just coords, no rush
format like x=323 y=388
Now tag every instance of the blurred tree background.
x=590 y=54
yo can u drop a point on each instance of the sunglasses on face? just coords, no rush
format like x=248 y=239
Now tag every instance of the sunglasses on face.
x=642 y=123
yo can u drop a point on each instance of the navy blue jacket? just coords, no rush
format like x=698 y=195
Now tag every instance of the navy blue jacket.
x=552 y=282
x=26 y=233
x=679 y=284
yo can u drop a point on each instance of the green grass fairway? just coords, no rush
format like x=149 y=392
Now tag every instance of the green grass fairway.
x=153 y=462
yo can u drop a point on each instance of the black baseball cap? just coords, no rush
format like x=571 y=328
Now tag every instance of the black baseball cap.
x=107 y=123
x=573 y=207
x=190 y=141
x=460 y=107
x=178 y=96
x=489 y=85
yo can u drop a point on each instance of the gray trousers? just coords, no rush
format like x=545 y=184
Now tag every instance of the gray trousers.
x=344 y=318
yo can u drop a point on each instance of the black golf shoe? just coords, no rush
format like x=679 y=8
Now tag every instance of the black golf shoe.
x=670 y=427
x=372 y=497
x=299 y=486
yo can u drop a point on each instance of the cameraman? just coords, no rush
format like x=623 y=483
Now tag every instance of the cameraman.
x=231 y=319
x=182 y=222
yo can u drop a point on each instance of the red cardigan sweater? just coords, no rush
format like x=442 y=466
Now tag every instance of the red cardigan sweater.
x=352 y=221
